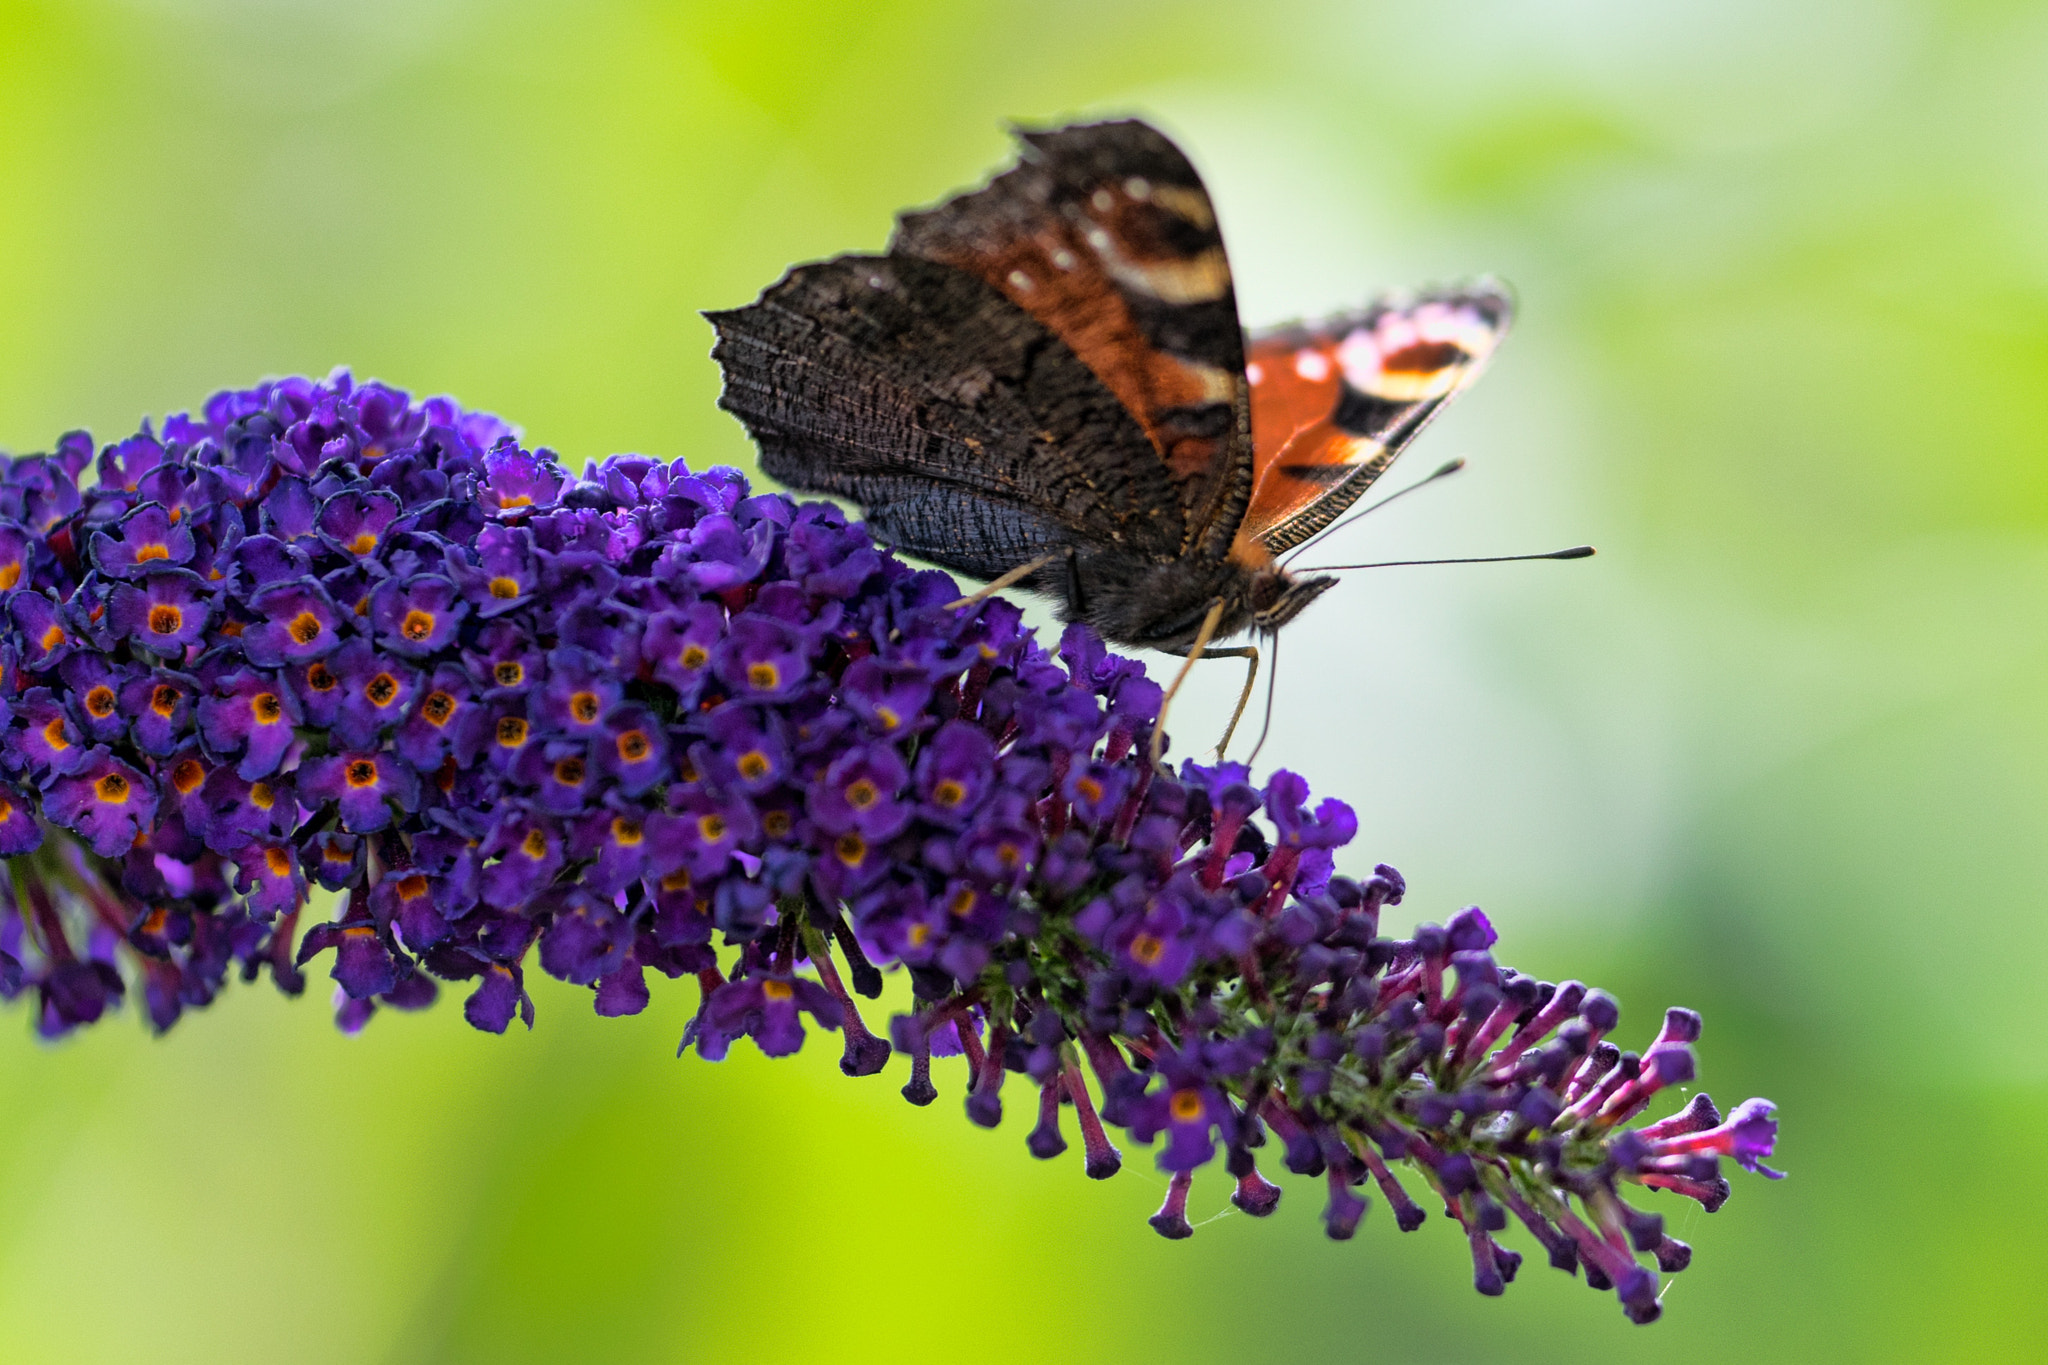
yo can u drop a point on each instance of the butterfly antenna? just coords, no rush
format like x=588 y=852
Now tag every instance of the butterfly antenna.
x=1272 y=682
x=1443 y=473
x=1575 y=552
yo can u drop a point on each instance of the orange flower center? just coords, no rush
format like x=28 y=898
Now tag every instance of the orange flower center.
x=165 y=619
x=267 y=709
x=163 y=699
x=188 y=776
x=382 y=690
x=112 y=789
x=504 y=589
x=694 y=656
x=360 y=773
x=626 y=833
x=437 y=708
x=509 y=673
x=764 y=676
x=1186 y=1105
x=418 y=625
x=634 y=746
x=583 y=706
x=305 y=628
x=511 y=732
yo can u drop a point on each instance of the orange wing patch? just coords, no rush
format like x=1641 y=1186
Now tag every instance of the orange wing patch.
x=1056 y=277
x=1334 y=404
x=1104 y=235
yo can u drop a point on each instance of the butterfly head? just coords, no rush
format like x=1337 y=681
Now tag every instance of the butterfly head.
x=1277 y=597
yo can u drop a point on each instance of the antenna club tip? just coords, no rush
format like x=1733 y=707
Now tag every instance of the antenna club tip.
x=1450 y=467
x=1578 y=552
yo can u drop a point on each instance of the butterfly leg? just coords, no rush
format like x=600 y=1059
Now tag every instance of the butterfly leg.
x=1195 y=651
x=1250 y=653
x=1077 y=601
x=1020 y=572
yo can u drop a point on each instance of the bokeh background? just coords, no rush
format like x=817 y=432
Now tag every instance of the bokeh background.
x=1779 y=753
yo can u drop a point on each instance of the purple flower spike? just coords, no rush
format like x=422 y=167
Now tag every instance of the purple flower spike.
x=645 y=724
x=149 y=540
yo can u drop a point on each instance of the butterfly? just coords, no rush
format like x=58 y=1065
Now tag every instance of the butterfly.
x=1044 y=380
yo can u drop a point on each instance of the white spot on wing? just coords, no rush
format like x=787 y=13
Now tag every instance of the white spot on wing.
x=1103 y=200
x=1255 y=372
x=1138 y=187
x=1019 y=280
x=1098 y=239
x=1063 y=258
x=1312 y=365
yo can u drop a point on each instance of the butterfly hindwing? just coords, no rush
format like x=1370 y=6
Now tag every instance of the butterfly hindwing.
x=1333 y=403
x=973 y=437
x=1104 y=234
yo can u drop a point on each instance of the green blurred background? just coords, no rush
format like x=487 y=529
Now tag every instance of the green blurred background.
x=1780 y=753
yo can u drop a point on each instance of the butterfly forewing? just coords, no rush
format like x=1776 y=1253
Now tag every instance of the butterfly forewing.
x=1104 y=234
x=972 y=437
x=1333 y=403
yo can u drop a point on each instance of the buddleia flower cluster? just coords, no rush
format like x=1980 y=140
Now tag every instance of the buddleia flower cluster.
x=324 y=673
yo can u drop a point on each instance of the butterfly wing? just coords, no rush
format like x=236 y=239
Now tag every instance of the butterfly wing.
x=1104 y=235
x=969 y=434
x=1333 y=403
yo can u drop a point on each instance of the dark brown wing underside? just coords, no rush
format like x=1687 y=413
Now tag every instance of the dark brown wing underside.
x=969 y=433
